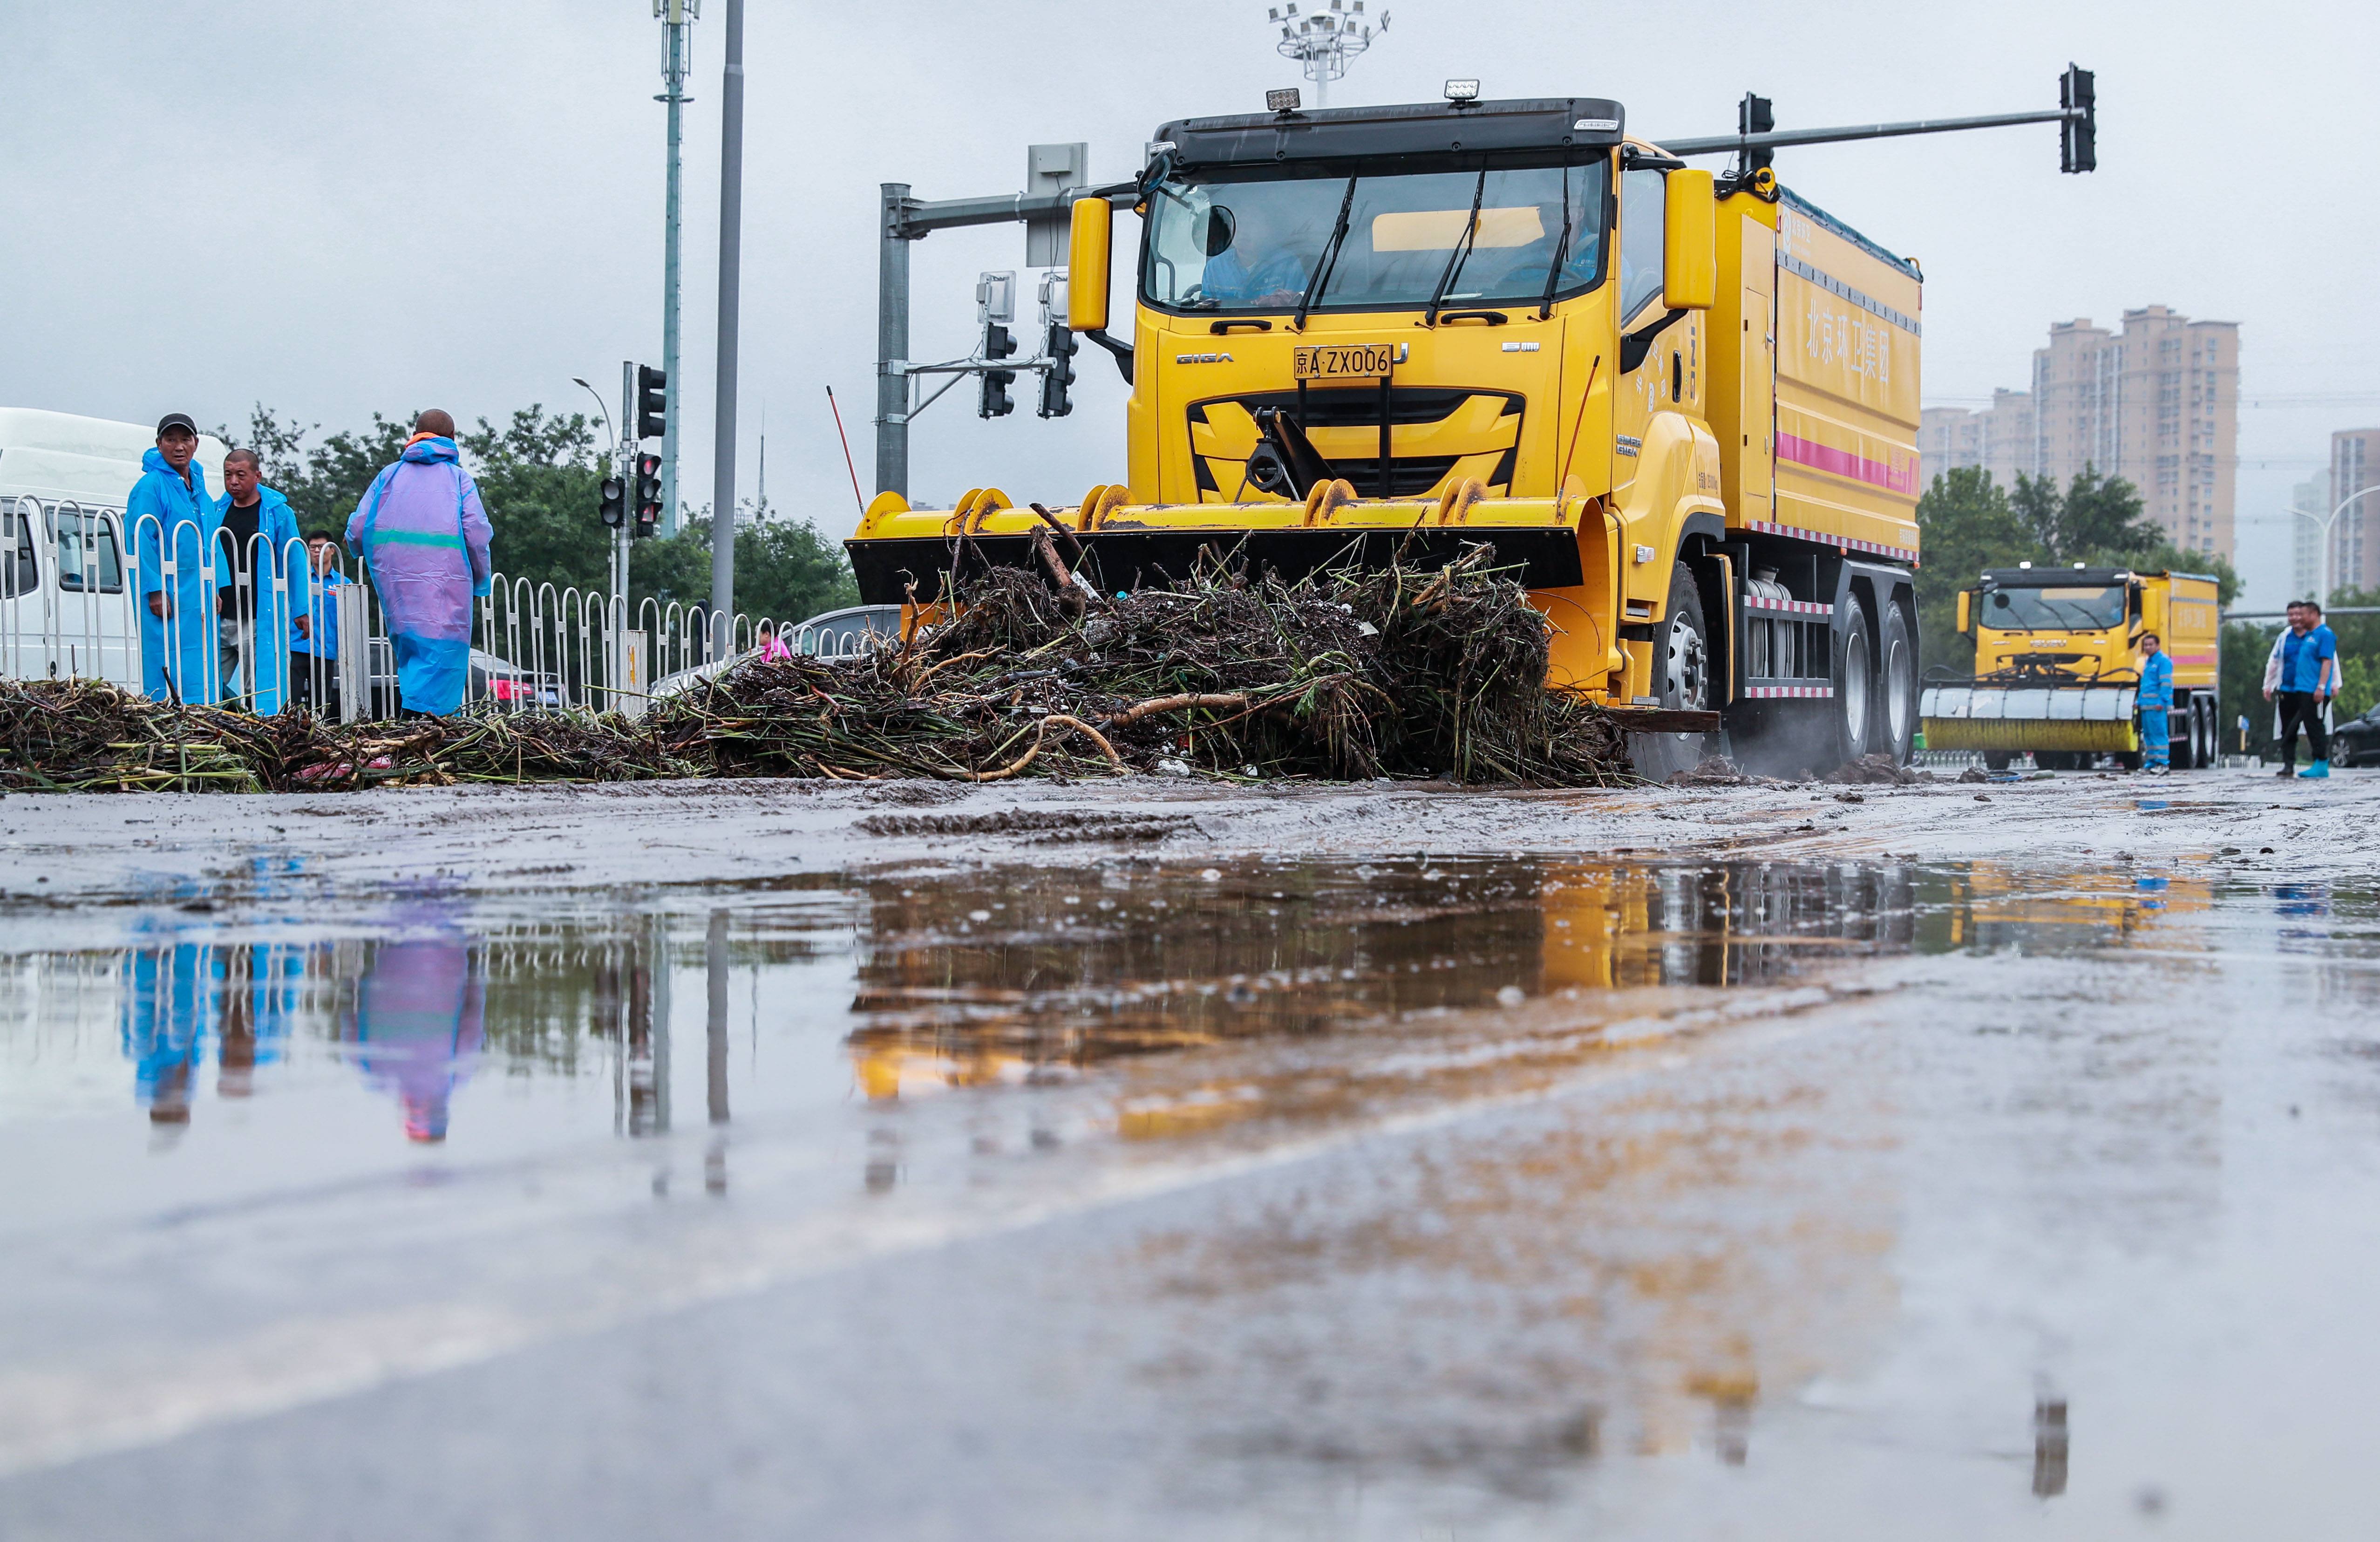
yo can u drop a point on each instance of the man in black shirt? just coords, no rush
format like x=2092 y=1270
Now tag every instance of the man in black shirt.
x=259 y=534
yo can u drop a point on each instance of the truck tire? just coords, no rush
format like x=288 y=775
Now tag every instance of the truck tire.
x=2210 y=737
x=1682 y=678
x=1895 y=730
x=1997 y=759
x=1854 y=703
x=2183 y=749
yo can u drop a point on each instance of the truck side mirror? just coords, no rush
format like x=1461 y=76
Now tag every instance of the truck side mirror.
x=1966 y=612
x=1689 y=248
x=1087 y=264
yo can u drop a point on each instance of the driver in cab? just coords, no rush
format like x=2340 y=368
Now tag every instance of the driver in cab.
x=1251 y=260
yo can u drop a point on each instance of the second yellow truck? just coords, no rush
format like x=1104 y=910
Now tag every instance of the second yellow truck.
x=2057 y=667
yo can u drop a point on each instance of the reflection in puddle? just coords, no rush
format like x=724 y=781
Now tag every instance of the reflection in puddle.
x=966 y=977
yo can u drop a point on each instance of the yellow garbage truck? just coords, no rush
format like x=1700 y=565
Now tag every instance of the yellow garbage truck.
x=2056 y=670
x=1682 y=407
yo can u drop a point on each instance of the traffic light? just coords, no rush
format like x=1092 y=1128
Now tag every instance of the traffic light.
x=994 y=402
x=653 y=403
x=649 y=496
x=2078 y=137
x=1756 y=114
x=1060 y=349
x=615 y=501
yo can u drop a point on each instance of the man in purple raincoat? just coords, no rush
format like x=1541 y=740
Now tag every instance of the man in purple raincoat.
x=423 y=538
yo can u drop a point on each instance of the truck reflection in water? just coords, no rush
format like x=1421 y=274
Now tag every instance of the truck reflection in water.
x=974 y=978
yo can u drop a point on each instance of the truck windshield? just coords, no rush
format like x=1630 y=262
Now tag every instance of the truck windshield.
x=1260 y=242
x=2054 y=610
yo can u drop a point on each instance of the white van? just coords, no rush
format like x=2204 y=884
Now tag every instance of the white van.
x=66 y=605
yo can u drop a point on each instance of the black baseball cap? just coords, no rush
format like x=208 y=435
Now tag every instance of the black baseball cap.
x=173 y=421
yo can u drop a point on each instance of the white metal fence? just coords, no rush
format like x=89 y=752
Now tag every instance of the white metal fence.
x=207 y=619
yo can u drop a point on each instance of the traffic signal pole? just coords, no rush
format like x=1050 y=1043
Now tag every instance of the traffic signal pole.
x=620 y=535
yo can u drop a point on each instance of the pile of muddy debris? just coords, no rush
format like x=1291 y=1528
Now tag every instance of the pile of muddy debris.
x=1346 y=676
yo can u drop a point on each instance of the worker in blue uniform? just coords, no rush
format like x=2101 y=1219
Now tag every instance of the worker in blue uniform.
x=2155 y=700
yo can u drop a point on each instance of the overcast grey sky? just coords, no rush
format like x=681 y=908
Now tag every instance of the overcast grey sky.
x=341 y=208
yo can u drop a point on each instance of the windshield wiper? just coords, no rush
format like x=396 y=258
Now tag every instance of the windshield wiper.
x=1328 y=261
x=1562 y=251
x=1461 y=253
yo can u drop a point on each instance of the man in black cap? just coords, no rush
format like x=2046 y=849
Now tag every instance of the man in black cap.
x=170 y=512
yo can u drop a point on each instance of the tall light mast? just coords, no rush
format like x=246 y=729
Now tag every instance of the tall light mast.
x=1322 y=41
x=677 y=59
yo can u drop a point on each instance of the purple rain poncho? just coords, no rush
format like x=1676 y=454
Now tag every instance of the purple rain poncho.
x=424 y=539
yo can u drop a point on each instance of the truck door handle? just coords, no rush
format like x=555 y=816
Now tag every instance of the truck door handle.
x=1220 y=328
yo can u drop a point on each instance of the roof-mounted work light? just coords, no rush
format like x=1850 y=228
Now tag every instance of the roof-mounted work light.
x=1463 y=91
x=1282 y=101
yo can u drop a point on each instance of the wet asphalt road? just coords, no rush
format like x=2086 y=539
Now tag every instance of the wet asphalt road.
x=1472 y=1197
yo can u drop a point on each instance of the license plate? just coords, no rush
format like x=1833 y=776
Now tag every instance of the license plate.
x=1346 y=360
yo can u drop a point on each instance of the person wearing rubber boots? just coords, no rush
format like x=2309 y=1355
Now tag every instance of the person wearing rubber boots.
x=2155 y=700
x=2300 y=680
x=424 y=538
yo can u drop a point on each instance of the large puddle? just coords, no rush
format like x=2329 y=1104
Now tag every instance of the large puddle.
x=1442 y=1189
x=445 y=1018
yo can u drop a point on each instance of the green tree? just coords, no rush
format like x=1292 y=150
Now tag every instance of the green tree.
x=2245 y=648
x=539 y=476
x=785 y=569
x=1966 y=523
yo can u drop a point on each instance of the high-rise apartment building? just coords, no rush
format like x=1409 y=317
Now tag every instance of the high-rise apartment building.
x=2156 y=403
x=1999 y=438
x=2355 y=533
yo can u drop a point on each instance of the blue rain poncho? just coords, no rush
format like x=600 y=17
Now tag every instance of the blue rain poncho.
x=424 y=537
x=173 y=522
x=279 y=552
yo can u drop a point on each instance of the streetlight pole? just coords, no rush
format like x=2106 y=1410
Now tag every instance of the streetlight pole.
x=2323 y=523
x=677 y=59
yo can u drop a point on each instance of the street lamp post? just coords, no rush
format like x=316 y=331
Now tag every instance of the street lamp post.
x=2324 y=523
x=677 y=59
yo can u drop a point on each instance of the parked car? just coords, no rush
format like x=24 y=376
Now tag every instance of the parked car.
x=2356 y=742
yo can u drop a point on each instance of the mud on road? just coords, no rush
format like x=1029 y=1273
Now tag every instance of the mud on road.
x=505 y=839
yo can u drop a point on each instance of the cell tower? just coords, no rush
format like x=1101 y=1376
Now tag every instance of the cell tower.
x=1323 y=41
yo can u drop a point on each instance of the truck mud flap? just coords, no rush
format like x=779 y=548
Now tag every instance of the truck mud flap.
x=1119 y=560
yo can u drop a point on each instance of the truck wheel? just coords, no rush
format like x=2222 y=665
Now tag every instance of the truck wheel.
x=2182 y=752
x=1895 y=730
x=2210 y=747
x=1854 y=688
x=1682 y=678
x=1997 y=759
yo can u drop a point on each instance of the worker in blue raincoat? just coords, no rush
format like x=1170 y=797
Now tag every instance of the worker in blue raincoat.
x=265 y=598
x=2155 y=700
x=424 y=540
x=172 y=519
